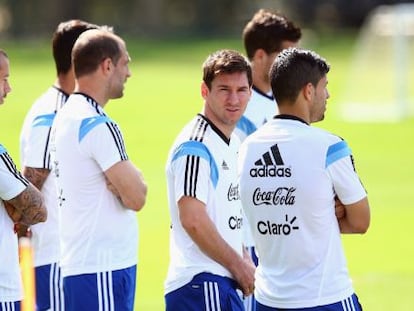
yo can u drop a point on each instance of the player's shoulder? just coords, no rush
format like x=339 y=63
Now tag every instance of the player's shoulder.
x=44 y=104
x=325 y=137
x=49 y=100
x=3 y=149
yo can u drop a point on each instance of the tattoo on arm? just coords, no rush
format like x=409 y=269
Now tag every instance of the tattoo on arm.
x=37 y=176
x=29 y=206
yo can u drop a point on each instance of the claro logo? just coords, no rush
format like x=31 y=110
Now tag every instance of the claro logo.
x=235 y=222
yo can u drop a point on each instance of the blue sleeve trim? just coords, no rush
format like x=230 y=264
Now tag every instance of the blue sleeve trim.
x=198 y=149
x=336 y=152
x=44 y=120
x=246 y=126
x=89 y=123
x=2 y=149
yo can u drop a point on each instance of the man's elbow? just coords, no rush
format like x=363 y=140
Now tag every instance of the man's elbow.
x=362 y=228
x=361 y=225
x=137 y=202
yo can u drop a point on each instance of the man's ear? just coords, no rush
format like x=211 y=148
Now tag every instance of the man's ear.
x=308 y=91
x=204 y=90
x=106 y=65
x=259 y=54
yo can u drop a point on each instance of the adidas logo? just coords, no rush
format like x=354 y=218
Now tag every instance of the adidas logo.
x=270 y=165
x=224 y=165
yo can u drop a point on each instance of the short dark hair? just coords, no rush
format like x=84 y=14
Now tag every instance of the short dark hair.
x=292 y=69
x=94 y=46
x=63 y=40
x=225 y=61
x=267 y=30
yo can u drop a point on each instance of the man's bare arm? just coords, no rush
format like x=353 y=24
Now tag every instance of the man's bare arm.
x=201 y=229
x=354 y=218
x=37 y=176
x=125 y=181
x=27 y=207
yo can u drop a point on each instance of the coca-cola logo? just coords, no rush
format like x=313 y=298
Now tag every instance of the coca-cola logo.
x=233 y=194
x=280 y=196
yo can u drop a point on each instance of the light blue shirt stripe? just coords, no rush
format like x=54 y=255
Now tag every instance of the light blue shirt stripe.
x=198 y=149
x=336 y=152
x=2 y=149
x=89 y=123
x=44 y=120
x=246 y=126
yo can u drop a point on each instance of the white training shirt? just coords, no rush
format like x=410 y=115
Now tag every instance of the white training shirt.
x=261 y=108
x=202 y=164
x=290 y=173
x=12 y=183
x=97 y=232
x=35 y=153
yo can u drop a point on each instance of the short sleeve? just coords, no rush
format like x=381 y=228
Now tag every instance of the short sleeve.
x=101 y=139
x=12 y=183
x=191 y=178
x=194 y=171
x=36 y=151
x=346 y=182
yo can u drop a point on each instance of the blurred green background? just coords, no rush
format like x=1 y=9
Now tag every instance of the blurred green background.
x=167 y=48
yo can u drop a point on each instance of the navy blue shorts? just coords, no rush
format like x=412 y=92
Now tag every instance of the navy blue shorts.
x=349 y=304
x=206 y=291
x=49 y=289
x=109 y=291
x=10 y=306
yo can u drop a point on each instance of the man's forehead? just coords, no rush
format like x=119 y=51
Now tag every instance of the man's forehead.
x=230 y=76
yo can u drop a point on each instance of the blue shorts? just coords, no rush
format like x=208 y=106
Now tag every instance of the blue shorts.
x=10 y=306
x=206 y=291
x=349 y=304
x=109 y=291
x=49 y=289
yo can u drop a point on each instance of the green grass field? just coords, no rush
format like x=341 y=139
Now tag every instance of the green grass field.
x=163 y=94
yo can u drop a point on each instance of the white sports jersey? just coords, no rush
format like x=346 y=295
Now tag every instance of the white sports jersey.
x=290 y=174
x=97 y=232
x=12 y=183
x=202 y=164
x=34 y=152
x=260 y=109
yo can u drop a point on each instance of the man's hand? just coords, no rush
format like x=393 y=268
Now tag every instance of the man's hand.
x=112 y=188
x=243 y=272
x=339 y=209
x=22 y=230
x=14 y=213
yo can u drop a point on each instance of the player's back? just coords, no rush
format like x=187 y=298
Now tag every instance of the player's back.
x=288 y=197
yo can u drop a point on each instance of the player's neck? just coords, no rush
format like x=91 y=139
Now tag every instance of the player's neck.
x=297 y=110
x=260 y=84
x=65 y=82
